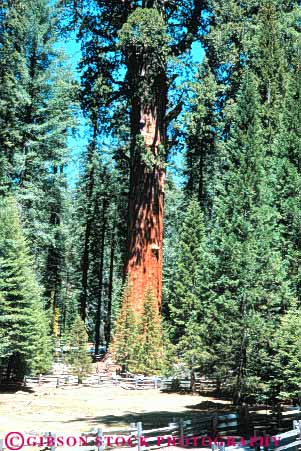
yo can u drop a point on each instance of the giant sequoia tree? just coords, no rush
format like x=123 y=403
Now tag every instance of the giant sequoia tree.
x=128 y=47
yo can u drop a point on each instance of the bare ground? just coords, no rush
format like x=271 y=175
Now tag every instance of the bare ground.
x=79 y=409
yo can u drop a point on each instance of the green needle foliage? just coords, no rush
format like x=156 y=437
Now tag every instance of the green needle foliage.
x=26 y=345
x=251 y=282
x=151 y=355
x=191 y=298
x=286 y=379
x=126 y=344
x=78 y=356
x=232 y=243
x=138 y=345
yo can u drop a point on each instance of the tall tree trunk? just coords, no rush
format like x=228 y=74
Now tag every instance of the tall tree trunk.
x=146 y=202
x=101 y=268
x=53 y=268
x=240 y=381
x=110 y=291
x=85 y=260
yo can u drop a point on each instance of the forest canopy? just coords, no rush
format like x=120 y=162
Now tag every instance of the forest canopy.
x=180 y=242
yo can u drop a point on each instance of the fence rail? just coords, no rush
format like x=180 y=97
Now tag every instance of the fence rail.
x=175 y=434
x=101 y=379
x=134 y=436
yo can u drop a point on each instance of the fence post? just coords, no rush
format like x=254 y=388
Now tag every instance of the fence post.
x=24 y=381
x=57 y=382
x=99 y=440
x=182 y=431
x=214 y=424
x=139 y=434
x=1 y=444
x=243 y=423
x=156 y=382
x=40 y=377
x=297 y=426
x=54 y=436
x=98 y=379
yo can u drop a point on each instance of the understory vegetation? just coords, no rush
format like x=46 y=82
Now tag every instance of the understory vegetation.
x=192 y=163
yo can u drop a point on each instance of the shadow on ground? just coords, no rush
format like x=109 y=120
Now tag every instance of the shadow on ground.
x=156 y=418
x=14 y=388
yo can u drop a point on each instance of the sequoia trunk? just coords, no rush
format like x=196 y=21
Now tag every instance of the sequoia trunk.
x=146 y=203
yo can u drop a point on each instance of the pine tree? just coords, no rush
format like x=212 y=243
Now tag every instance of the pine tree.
x=285 y=370
x=26 y=347
x=138 y=341
x=126 y=341
x=201 y=136
x=190 y=306
x=251 y=280
x=78 y=357
x=174 y=213
x=38 y=102
x=13 y=95
x=151 y=356
x=277 y=63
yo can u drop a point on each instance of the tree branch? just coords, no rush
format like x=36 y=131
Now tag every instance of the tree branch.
x=192 y=26
x=174 y=113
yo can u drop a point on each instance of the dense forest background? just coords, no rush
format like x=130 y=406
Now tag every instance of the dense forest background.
x=230 y=147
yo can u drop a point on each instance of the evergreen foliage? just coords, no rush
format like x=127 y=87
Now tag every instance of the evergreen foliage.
x=190 y=306
x=78 y=356
x=285 y=380
x=151 y=355
x=26 y=346
x=232 y=244
x=126 y=343
x=201 y=136
x=251 y=274
x=137 y=343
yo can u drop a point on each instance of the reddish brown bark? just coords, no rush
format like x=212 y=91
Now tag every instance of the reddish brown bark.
x=146 y=207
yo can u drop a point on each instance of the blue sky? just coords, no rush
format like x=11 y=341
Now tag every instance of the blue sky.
x=78 y=143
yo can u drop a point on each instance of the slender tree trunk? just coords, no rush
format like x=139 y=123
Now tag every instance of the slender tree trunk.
x=85 y=261
x=238 y=395
x=110 y=291
x=53 y=265
x=101 y=268
x=85 y=269
x=201 y=179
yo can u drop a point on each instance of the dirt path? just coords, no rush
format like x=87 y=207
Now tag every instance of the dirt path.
x=75 y=410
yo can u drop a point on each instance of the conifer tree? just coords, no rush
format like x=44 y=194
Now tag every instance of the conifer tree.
x=190 y=306
x=251 y=280
x=78 y=357
x=13 y=95
x=285 y=379
x=151 y=356
x=38 y=102
x=26 y=347
x=277 y=63
x=201 y=136
x=126 y=341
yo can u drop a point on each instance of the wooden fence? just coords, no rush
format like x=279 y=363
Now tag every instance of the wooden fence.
x=175 y=434
x=286 y=441
x=134 y=436
x=200 y=385
x=100 y=379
